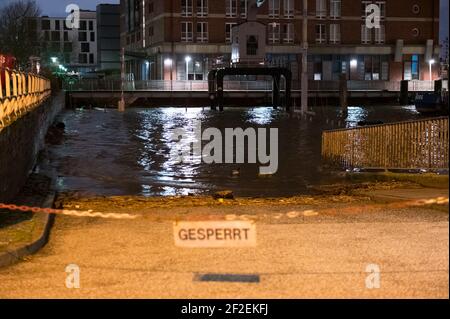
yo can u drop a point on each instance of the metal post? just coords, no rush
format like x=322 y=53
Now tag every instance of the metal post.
x=304 y=85
x=121 y=105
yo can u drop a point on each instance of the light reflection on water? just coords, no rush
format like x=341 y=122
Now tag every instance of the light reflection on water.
x=110 y=153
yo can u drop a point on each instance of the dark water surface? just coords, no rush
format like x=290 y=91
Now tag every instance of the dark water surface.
x=112 y=153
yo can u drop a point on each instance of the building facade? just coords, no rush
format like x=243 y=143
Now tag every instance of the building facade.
x=108 y=36
x=184 y=39
x=75 y=49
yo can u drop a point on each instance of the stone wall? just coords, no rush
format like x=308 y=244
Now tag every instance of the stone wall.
x=20 y=143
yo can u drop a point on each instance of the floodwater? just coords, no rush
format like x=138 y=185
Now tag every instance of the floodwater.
x=131 y=153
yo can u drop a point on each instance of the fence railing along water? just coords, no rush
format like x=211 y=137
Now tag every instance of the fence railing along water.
x=243 y=86
x=20 y=93
x=421 y=144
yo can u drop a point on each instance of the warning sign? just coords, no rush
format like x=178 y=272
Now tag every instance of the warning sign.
x=210 y=234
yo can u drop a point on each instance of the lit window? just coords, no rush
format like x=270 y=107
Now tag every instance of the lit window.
x=335 y=9
x=321 y=9
x=335 y=33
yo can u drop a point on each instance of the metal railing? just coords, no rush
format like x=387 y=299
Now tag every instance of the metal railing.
x=260 y=85
x=421 y=144
x=20 y=93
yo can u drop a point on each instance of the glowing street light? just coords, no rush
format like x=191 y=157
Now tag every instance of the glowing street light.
x=54 y=59
x=353 y=65
x=187 y=59
x=430 y=63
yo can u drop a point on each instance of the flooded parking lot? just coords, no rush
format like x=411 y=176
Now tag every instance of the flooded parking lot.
x=105 y=152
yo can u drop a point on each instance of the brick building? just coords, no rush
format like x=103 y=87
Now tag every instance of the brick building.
x=184 y=39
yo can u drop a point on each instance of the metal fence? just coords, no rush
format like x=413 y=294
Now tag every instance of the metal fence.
x=421 y=144
x=20 y=93
x=229 y=85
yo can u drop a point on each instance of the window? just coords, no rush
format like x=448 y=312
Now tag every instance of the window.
x=83 y=25
x=274 y=8
x=288 y=8
x=228 y=31
x=321 y=9
x=335 y=9
x=364 y=4
x=92 y=36
x=47 y=36
x=288 y=33
x=202 y=31
x=186 y=31
x=68 y=47
x=202 y=8
x=380 y=34
x=243 y=8
x=91 y=25
x=66 y=36
x=321 y=36
x=82 y=36
x=91 y=58
x=82 y=58
x=335 y=33
x=382 y=6
x=85 y=47
x=57 y=25
x=415 y=67
x=45 y=24
x=186 y=8
x=55 y=36
x=231 y=8
x=274 y=32
x=366 y=35
x=252 y=45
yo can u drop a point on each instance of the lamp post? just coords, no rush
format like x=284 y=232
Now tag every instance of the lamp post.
x=353 y=65
x=187 y=59
x=168 y=63
x=430 y=63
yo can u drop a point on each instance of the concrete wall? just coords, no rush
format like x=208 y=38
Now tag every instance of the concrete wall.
x=20 y=143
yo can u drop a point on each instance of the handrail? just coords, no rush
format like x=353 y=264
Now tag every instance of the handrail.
x=19 y=93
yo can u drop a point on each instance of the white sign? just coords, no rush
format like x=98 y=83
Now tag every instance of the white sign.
x=215 y=234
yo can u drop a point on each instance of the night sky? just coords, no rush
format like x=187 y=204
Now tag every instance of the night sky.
x=57 y=8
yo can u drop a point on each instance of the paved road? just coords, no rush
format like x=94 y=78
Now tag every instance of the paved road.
x=301 y=257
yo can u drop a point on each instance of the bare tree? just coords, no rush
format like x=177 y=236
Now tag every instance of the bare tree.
x=18 y=29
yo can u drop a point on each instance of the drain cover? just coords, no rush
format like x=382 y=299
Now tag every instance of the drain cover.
x=226 y=277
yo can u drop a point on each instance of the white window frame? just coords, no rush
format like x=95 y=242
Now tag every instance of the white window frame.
x=335 y=9
x=229 y=34
x=274 y=32
x=186 y=8
x=288 y=36
x=380 y=34
x=202 y=36
x=321 y=37
x=321 y=9
x=186 y=36
x=231 y=8
x=289 y=8
x=382 y=5
x=274 y=8
x=243 y=9
x=335 y=33
x=366 y=34
x=202 y=9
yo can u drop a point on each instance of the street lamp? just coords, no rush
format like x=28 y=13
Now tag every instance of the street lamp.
x=187 y=59
x=168 y=63
x=430 y=63
x=54 y=59
x=353 y=65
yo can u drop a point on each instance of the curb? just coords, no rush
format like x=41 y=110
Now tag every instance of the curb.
x=14 y=255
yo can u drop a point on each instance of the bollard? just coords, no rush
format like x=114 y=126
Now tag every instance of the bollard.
x=343 y=93
x=404 y=96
